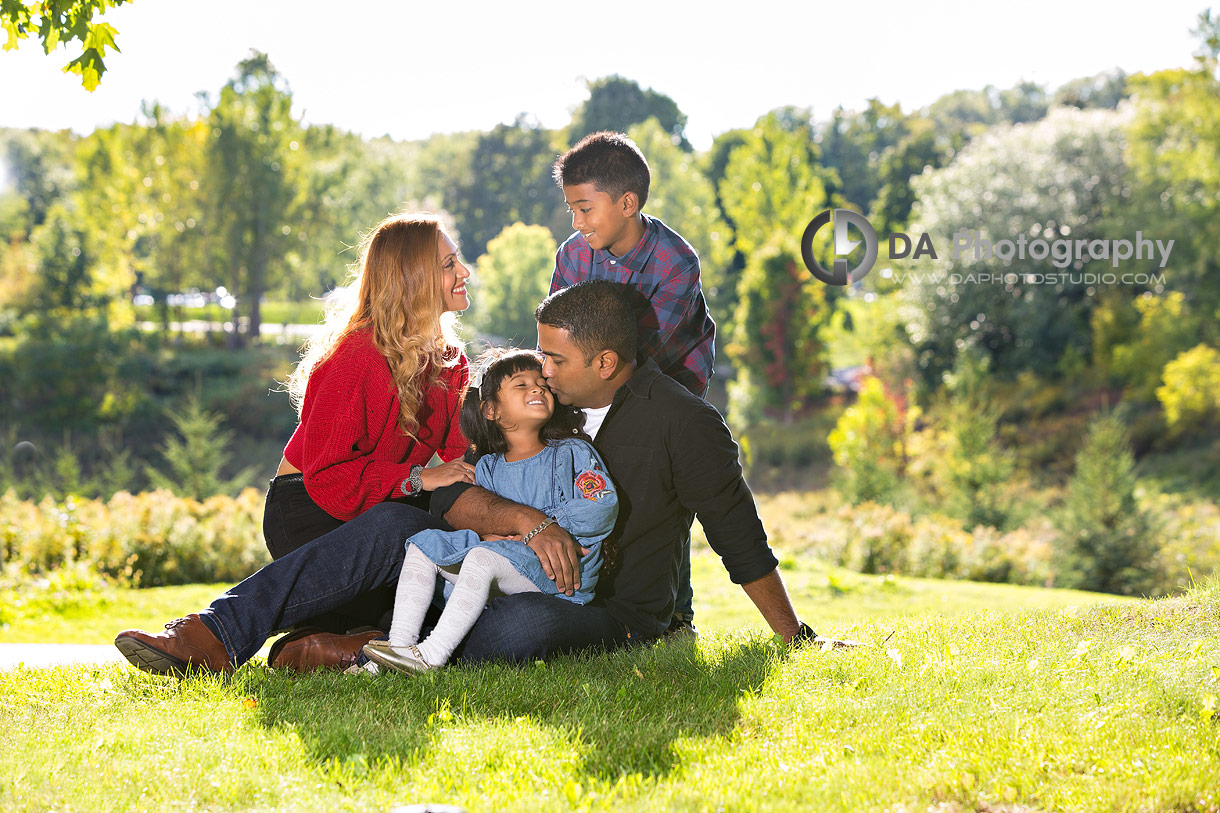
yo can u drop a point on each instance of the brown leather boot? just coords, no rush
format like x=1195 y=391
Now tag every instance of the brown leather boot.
x=308 y=649
x=187 y=643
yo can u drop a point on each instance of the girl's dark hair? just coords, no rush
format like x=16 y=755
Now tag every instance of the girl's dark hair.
x=485 y=436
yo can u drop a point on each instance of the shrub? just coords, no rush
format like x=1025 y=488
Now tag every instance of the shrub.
x=1190 y=395
x=147 y=539
x=869 y=445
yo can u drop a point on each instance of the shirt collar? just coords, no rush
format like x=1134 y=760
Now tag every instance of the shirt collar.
x=636 y=259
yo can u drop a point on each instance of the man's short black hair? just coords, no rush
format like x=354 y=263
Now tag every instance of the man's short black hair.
x=597 y=315
x=610 y=161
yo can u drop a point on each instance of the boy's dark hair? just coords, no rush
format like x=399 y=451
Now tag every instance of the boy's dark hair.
x=485 y=436
x=610 y=161
x=597 y=314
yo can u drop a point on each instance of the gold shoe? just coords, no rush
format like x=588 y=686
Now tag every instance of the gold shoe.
x=400 y=659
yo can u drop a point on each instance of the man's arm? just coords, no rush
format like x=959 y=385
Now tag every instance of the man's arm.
x=771 y=598
x=483 y=512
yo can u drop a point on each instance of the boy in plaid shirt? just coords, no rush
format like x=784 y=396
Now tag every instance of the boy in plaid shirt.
x=605 y=181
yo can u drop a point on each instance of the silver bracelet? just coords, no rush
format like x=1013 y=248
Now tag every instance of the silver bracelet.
x=413 y=484
x=548 y=522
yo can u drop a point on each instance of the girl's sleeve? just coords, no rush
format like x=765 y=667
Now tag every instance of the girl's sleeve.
x=455 y=444
x=591 y=510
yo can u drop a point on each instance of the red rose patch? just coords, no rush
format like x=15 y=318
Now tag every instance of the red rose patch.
x=592 y=484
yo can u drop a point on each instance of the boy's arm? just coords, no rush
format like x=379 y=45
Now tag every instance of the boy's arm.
x=670 y=306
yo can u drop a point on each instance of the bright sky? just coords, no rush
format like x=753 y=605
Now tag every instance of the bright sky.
x=409 y=69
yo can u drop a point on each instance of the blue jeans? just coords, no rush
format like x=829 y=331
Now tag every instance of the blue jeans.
x=366 y=554
x=526 y=627
x=354 y=559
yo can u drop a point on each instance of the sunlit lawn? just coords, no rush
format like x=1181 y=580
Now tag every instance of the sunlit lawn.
x=969 y=702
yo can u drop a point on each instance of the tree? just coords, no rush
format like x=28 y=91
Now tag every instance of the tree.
x=1060 y=179
x=773 y=182
x=61 y=21
x=853 y=145
x=510 y=280
x=197 y=457
x=1174 y=139
x=776 y=342
x=253 y=181
x=1108 y=540
x=616 y=103
x=508 y=180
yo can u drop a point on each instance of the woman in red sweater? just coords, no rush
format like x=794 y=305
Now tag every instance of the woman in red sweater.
x=378 y=391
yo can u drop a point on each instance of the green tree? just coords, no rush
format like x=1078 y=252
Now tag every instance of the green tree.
x=508 y=180
x=772 y=180
x=1061 y=178
x=776 y=344
x=197 y=458
x=1173 y=140
x=1108 y=541
x=616 y=103
x=253 y=180
x=60 y=22
x=853 y=144
x=511 y=279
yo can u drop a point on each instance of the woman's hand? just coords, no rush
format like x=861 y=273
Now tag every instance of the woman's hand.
x=455 y=471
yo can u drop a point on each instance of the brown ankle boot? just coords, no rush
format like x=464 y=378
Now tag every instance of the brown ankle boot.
x=186 y=644
x=308 y=649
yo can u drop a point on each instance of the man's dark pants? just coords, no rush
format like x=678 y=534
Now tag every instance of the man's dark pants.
x=366 y=554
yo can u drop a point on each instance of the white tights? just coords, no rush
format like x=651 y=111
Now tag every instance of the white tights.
x=473 y=580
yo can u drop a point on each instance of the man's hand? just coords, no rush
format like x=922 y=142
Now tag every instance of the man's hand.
x=560 y=557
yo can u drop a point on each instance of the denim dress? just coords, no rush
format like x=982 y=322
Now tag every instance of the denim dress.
x=567 y=481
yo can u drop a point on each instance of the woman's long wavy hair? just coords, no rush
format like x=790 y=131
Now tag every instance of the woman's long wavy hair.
x=399 y=299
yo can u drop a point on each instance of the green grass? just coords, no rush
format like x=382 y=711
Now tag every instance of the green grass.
x=977 y=697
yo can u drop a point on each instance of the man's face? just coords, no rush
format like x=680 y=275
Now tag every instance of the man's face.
x=574 y=381
x=602 y=221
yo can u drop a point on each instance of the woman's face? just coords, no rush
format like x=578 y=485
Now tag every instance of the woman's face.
x=453 y=275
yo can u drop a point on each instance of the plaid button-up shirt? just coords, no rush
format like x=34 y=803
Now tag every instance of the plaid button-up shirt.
x=675 y=327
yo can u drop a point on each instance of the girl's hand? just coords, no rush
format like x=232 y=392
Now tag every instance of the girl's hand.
x=502 y=537
x=455 y=471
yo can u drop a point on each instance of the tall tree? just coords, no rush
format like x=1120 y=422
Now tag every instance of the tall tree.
x=777 y=345
x=508 y=180
x=253 y=181
x=615 y=103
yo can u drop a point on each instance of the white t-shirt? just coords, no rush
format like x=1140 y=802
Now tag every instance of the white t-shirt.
x=593 y=420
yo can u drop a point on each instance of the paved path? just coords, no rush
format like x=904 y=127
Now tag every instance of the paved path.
x=41 y=656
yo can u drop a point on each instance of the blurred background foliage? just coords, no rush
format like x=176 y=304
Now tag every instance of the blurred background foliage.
x=150 y=271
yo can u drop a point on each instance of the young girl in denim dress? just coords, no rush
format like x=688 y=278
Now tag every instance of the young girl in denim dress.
x=528 y=453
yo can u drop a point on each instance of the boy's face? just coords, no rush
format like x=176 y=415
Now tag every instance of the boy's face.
x=603 y=222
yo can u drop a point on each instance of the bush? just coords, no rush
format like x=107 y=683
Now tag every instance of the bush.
x=869 y=445
x=148 y=539
x=1190 y=395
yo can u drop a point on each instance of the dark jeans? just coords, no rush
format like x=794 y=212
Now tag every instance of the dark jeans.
x=366 y=554
x=291 y=519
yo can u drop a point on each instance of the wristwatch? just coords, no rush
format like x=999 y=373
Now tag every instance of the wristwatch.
x=414 y=484
x=804 y=635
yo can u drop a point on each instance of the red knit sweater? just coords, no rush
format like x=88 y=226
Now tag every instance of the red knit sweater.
x=348 y=444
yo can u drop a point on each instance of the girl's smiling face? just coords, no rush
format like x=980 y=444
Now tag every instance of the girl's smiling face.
x=523 y=399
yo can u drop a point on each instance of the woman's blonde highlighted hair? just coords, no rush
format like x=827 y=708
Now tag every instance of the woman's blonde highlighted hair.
x=399 y=299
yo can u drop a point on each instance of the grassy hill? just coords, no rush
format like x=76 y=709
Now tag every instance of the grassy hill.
x=974 y=697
